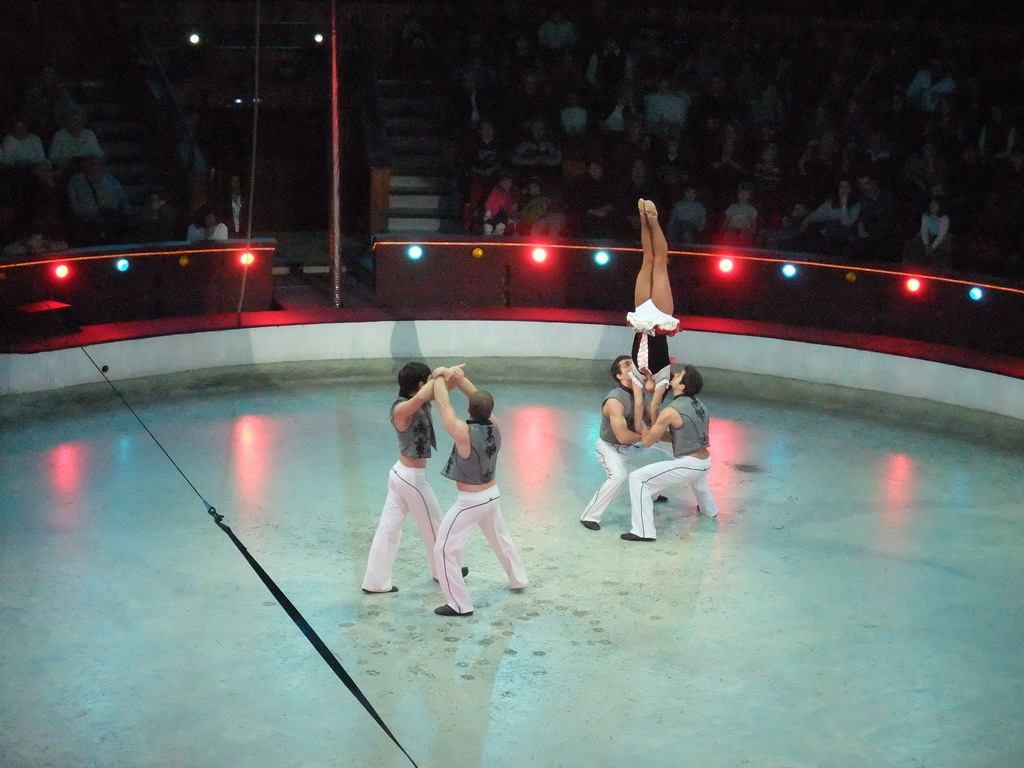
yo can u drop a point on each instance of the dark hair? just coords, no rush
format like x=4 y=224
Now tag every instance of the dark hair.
x=480 y=405
x=616 y=370
x=692 y=380
x=411 y=377
x=203 y=212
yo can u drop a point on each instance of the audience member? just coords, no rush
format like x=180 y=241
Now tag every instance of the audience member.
x=739 y=225
x=501 y=207
x=156 y=222
x=537 y=212
x=874 y=224
x=206 y=226
x=73 y=141
x=665 y=110
x=595 y=203
x=536 y=152
x=934 y=244
x=557 y=33
x=33 y=245
x=97 y=203
x=688 y=219
x=833 y=222
x=21 y=147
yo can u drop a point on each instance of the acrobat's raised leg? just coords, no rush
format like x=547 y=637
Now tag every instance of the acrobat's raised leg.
x=661 y=289
x=654 y=302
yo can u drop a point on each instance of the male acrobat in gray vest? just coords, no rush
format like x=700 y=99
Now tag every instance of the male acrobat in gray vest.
x=686 y=420
x=472 y=466
x=409 y=492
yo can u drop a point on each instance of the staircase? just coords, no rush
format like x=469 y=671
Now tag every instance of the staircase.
x=135 y=157
x=424 y=195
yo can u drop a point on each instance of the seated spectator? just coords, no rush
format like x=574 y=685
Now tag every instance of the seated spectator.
x=470 y=105
x=665 y=111
x=156 y=222
x=789 y=235
x=480 y=168
x=537 y=151
x=638 y=187
x=875 y=230
x=997 y=136
x=73 y=141
x=624 y=148
x=727 y=161
x=98 y=204
x=933 y=245
x=924 y=169
x=557 y=32
x=616 y=115
x=206 y=226
x=668 y=170
x=40 y=102
x=537 y=212
x=573 y=116
x=832 y=223
x=769 y=110
x=879 y=157
x=688 y=219
x=527 y=103
x=238 y=219
x=609 y=66
x=594 y=200
x=33 y=245
x=739 y=225
x=21 y=147
x=501 y=207
x=930 y=84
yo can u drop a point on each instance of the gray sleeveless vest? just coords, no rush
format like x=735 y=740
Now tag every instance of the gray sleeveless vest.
x=624 y=397
x=478 y=469
x=693 y=435
x=416 y=441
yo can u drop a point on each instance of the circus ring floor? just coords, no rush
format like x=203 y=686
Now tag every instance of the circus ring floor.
x=856 y=602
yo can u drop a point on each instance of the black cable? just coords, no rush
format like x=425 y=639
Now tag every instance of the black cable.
x=296 y=616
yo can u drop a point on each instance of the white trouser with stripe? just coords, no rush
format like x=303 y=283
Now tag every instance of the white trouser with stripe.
x=613 y=458
x=645 y=483
x=409 y=493
x=477 y=508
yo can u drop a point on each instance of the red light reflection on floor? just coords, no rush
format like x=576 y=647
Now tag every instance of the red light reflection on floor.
x=730 y=443
x=534 y=460
x=66 y=466
x=897 y=491
x=251 y=446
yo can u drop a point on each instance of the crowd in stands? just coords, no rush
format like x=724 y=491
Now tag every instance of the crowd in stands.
x=56 y=190
x=865 y=141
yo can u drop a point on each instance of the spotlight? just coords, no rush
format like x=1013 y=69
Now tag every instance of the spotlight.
x=318 y=38
x=851 y=277
x=122 y=265
x=601 y=258
x=246 y=259
x=913 y=285
x=789 y=270
x=183 y=261
x=61 y=271
x=194 y=38
x=239 y=100
x=976 y=293
x=478 y=252
x=539 y=255
x=725 y=265
x=414 y=252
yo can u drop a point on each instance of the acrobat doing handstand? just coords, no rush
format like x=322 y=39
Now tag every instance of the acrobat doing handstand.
x=652 y=319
